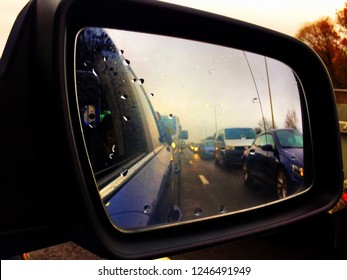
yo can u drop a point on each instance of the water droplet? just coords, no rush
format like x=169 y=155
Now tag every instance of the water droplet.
x=94 y=73
x=105 y=59
x=111 y=155
x=147 y=209
x=197 y=212
x=222 y=209
x=122 y=51
x=126 y=118
x=141 y=81
x=133 y=80
x=126 y=62
x=124 y=172
x=124 y=96
x=113 y=148
x=152 y=94
x=171 y=116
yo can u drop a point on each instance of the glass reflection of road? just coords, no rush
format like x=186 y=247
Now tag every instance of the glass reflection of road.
x=208 y=190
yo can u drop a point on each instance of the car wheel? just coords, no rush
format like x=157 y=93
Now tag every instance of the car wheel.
x=282 y=184
x=247 y=177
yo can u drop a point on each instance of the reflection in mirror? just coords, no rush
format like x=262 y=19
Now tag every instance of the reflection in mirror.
x=178 y=130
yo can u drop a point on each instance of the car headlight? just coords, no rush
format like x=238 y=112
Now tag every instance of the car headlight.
x=297 y=170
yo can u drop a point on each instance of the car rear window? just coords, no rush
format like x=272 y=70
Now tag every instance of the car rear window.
x=290 y=138
x=239 y=133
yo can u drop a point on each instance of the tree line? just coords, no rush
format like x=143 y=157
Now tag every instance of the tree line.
x=328 y=38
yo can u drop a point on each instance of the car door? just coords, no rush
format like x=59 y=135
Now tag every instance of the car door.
x=257 y=158
x=121 y=130
x=270 y=162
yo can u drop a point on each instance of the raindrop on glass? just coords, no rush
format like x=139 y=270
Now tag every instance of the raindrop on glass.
x=141 y=81
x=124 y=172
x=126 y=62
x=171 y=116
x=147 y=209
x=94 y=73
x=126 y=118
x=124 y=96
x=197 y=212
x=152 y=94
x=113 y=148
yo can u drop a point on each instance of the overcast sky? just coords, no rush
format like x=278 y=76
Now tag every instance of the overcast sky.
x=209 y=86
x=286 y=16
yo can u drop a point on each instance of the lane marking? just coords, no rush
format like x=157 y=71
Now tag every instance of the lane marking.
x=204 y=180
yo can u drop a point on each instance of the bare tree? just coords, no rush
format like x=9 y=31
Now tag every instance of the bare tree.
x=264 y=125
x=291 y=120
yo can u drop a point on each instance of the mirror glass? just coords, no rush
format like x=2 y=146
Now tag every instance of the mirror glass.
x=178 y=131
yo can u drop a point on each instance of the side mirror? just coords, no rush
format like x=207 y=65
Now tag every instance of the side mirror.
x=96 y=169
x=267 y=147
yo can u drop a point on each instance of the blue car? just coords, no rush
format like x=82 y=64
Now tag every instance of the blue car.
x=276 y=156
x=135 y=171
x=207 y=149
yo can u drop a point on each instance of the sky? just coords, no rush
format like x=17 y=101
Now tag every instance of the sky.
x=284 y=16
x=209 y=87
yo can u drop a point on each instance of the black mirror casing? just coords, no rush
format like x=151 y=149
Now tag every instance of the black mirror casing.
x=48 y=191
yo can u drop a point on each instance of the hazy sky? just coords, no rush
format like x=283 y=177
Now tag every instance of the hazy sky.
x=284 y=16
x=207 y=85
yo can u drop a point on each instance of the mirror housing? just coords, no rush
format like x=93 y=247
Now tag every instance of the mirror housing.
x=49 y=195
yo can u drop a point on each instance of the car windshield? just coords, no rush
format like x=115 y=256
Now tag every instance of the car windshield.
x=290 y=138
x=208 y=143
x=239 y=133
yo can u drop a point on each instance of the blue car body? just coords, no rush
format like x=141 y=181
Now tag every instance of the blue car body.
x=207 y=149
x=274 y=151
x=135 y=166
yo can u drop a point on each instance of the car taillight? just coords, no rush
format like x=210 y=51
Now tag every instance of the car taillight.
x=344 y=197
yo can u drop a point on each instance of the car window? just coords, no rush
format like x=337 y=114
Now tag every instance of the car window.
x=220 y=135
x=109 y=106
x=258 y=140
x=239 y=133
x=269 y=140
x=208 y=143
x=290 y=139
